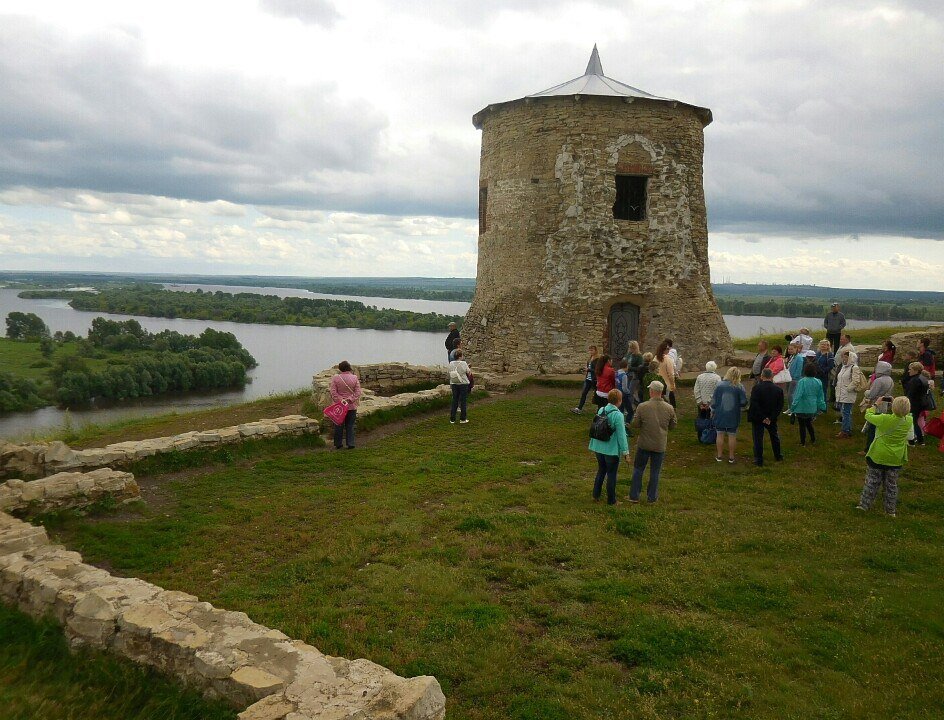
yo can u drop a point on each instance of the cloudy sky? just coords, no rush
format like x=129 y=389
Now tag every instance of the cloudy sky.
x=309 y=137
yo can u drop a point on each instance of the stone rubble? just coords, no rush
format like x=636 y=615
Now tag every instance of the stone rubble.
x=67 y=490
x=222 y=653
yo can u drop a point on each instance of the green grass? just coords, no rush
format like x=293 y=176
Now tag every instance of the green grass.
x=22 y=358
x=474 y=553
x=100 y=434
x=41 y=680
x=862 y=336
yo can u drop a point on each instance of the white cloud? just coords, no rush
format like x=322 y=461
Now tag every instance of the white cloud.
x=293 y=121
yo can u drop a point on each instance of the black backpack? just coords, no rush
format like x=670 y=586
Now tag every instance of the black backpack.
x=600 y=427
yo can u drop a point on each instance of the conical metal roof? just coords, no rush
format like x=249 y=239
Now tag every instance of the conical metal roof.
x=593 y=82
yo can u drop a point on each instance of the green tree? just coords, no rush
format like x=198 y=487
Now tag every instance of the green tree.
x=26 y=326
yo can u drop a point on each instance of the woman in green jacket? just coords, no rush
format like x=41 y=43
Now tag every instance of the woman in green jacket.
x=887 y=454
x=608 y=451
x=807 y=402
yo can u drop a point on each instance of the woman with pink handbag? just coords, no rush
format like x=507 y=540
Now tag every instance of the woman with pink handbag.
x=345 y=391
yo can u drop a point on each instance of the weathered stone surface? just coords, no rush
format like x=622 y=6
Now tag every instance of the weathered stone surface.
x=67 y=490
x=221 y=652
x=907 y=342
x=552 y=258
x=30 y=461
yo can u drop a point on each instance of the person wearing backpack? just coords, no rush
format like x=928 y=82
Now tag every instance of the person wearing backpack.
x=608 y=441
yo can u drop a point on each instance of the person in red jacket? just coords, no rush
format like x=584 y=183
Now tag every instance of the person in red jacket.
x=606 y=380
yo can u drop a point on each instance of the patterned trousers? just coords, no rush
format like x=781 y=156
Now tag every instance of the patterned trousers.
x=876 y=478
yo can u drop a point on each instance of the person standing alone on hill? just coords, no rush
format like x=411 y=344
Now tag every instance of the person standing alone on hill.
x=834 y=322
x=764 y=411
x=451 y=340
x=346 y=388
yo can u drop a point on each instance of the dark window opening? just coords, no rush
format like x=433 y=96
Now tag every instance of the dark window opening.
x=630 y=197
x=483 y=203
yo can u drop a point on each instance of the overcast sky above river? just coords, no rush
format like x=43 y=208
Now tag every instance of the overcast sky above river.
x=309 y=137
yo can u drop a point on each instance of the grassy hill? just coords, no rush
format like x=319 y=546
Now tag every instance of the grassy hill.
x=475 y=553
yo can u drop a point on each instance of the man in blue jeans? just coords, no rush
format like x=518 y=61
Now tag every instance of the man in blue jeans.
x=653 y=420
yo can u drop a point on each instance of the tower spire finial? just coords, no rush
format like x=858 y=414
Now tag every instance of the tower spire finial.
x=594 y=67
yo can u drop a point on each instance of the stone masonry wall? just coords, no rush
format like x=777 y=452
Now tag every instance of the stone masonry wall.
x=382 y=378
x=222 y=653
x=67 y=490
x=39 y=459
x=553 y=260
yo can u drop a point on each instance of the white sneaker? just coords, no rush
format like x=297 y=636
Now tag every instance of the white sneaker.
x=576 y=410
x=463 y=422
x=452 y=422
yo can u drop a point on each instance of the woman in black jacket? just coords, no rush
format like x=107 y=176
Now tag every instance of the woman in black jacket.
x=915 y=384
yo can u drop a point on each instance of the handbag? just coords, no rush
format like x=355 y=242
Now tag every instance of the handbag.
x=336 y=412
x=783 y=376
x=935 y=427
x=705 y=429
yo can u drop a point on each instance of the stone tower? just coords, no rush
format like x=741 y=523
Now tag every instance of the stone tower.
x=592 y=229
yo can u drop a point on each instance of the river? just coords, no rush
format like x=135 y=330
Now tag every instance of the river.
x=288 y=355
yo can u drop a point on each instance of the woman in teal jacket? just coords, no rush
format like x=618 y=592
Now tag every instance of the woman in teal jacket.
x=887 y=454
x=608 y=451
x=807 y=402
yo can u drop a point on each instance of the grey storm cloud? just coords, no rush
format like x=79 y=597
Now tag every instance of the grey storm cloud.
x=92 y=114
x=829 y=118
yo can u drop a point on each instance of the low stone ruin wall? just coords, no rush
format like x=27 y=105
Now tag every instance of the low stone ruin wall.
x=40 y=459
x=381 y=379
x=907 y=342
x=67 y=490
x=222 y=653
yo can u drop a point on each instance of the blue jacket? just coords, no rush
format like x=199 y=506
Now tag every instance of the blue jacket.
x=808 y=397
x=796 y=366
x=727 y=404
x=617 y=444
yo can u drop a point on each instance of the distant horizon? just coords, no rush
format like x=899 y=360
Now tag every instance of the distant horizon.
x=8 y=274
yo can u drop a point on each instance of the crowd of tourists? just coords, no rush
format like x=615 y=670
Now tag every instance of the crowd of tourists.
x=636 y=394
x=797 y=380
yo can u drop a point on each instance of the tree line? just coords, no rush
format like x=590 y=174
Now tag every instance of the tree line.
x=853 y=310
x=153 y=301
x=137 y=363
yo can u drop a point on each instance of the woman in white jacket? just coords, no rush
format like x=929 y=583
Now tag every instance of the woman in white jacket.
x=848 y=383
x=705 y=385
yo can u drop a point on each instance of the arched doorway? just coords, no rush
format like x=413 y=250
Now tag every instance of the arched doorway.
x=623 y=326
